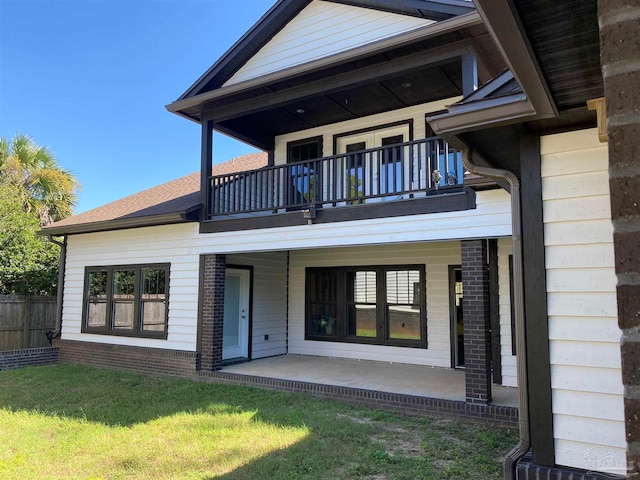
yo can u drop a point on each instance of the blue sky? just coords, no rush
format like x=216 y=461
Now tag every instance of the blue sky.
x=90 y=79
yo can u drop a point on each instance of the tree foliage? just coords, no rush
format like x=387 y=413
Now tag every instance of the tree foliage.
x=34 y=191
x=28 y=261
x=50 y=190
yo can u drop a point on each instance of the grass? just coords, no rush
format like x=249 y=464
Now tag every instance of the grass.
x=74 y=422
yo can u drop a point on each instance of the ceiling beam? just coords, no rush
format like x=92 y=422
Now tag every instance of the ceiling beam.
x=339 y=82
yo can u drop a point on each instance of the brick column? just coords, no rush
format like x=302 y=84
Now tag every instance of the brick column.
x=477 y=321
x=619 y=20
x=212 y=311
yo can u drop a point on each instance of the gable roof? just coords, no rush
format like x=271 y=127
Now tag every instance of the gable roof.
x=285 y=10
x=320 y=31
x=176 y=201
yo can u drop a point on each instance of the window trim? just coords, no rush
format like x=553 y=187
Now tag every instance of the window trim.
x=293 y=190
x=304 y=141
x=377 y=129
x=382 y=337
x=136 y=331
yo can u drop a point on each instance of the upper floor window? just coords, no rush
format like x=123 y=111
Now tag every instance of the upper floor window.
x=129 y=300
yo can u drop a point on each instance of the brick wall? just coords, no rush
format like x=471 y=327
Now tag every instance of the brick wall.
x=619 y=47
x=212 y=311
x=527 y=470
x=395 y=402
x=171 y=363
x=28 y=357
x=477 y=321
x=149 y=361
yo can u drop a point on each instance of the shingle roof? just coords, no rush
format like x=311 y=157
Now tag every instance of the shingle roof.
x=171 y=202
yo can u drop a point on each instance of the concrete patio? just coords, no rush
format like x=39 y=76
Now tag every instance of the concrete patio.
x=412 y=380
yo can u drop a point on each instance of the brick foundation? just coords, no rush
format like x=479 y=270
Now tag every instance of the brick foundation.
x=395 y=402
x=212 y=311
x=172 y=363
x=526 y=470
x=28 y=357
x=149 y=361
x=477 y=321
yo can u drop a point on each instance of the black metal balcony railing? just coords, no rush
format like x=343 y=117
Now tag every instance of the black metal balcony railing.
x=366 y=176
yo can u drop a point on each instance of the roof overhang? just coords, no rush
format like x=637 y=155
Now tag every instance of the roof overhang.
x=486 y=113
x=429 y=31
x=505 y=27
x=190 y=215
x=431 y=9
x=552 y=50
x=362 y=81
x=284 y=11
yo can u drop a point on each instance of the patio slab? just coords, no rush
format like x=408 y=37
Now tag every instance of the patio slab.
x=416 y=380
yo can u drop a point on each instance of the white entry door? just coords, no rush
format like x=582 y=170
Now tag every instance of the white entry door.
x=235 y=330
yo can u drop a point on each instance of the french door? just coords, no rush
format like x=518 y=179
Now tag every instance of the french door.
x=377 y=173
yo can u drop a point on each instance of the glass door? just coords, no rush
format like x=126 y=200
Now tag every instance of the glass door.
x=376 y=173
x=456 y=296
x=235 y=329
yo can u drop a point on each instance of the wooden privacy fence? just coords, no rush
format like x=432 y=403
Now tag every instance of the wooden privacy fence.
x=24 y=321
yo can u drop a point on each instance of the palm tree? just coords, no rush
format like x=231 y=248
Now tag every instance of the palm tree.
x=50 y=190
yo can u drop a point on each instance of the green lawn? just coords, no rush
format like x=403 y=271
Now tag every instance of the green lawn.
x=72 y=422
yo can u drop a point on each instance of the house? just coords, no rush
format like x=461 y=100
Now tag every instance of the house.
x=435 y=194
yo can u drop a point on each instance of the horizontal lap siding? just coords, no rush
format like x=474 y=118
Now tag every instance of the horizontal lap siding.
x=322 y=29
x=491 y=218
x=269 y=301
x=181 y=246
x=435 y=256
x=509 y=368
x=583 y=332
x=136 y=246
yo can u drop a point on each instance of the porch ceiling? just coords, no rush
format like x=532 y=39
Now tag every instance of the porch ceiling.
x=565 y=39
x=421 y=71
x=420 y=86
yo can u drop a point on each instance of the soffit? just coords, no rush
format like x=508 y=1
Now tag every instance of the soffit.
x=412 y=85
x=564 y=38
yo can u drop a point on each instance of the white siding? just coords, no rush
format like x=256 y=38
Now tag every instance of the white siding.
x=181 y=246
x=174 y=244
x=435 y=256
x=269 y=301
x=586 y=381
x=491 y=218
x=322 y=29
x=509 y=369
x=143 y=245
x=416 y=114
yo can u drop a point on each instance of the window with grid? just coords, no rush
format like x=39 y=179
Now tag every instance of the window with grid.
x=380 y=305
x=129 y=300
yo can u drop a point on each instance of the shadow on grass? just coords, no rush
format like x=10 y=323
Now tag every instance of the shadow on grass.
x=124 y=399
x=117 y=399
x=338 y=440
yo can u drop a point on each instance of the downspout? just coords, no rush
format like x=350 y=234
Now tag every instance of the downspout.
x=51 y=334
x=524 y=444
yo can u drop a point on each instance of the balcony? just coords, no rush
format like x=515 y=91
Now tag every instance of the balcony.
x=401 y=171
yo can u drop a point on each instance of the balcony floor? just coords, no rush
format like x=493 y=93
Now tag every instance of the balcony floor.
x=415 y=380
